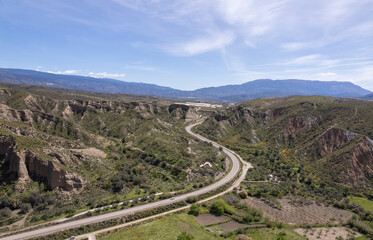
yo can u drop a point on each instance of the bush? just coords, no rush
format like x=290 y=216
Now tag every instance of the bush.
x=25 y=207
x=194 y=209
x=185 y=236
x=248 y=218
x=5 y=212
x=281 y=236
x=255 y=211
x=219 y=207
x=243 y=194
x=70 y=211
x=6 y=201
x=230 y=199
x=192 y=199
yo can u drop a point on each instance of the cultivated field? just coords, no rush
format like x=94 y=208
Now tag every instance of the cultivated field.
x=232 y=225
x=209 y=219
x=327 y=233
x=164 y=228
x=296 y=214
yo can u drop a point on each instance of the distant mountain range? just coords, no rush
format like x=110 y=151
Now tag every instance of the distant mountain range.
x=229 y=93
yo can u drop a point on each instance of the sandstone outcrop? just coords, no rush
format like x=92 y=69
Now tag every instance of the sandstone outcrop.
x=183 y=112
x=333 y=139
x=358 y=166
x=296 y=125
x=25 y=165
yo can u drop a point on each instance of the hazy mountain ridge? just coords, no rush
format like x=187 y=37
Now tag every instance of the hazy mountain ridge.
x=229 y=93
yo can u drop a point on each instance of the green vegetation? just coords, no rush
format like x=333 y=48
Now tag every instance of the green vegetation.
x=147 y=150
x=365 y=203
x=314 y=147
x=219 y=207
x=167 y=228
x=274 y=233
x=129 y=148
x=305 y=143
x=185 y=236
x=194 y=209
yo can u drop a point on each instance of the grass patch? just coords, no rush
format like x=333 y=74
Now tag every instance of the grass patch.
x=270 y=233
x=164 y=228
x=365 y=203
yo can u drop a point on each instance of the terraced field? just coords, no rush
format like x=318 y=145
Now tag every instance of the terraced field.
x=295 y=214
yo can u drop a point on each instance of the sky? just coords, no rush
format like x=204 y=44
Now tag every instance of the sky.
x=192 y=43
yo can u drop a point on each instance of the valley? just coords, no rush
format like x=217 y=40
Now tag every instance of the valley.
x=186 y=120
x=99 y=160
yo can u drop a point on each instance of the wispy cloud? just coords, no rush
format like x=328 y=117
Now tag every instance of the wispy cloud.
x=107 y=75
x=308 y=59
x=295 y=46
x=202 y=45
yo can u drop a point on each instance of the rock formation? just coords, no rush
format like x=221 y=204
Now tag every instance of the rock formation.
x=25 y=165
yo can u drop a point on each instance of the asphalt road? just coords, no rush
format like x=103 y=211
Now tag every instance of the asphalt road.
x=235 y=169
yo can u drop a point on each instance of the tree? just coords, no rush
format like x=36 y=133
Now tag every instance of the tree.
x=194 y=209
x=217 y=207
x=185 y=236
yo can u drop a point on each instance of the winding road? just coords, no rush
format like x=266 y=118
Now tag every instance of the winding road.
x=231 y=175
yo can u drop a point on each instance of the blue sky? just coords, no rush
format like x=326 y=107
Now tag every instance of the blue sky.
x=193 y=43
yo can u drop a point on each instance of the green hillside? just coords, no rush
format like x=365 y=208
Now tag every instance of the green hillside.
x=64 y=151
x=313 y=145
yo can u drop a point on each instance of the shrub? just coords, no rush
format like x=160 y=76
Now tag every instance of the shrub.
x=70 y=211
x=230 y=199
x=185 y=236
x=25 y=207
x=5 y=212
x=192 y=199
x=248 y=218
x=243 y=194
x=219 y=207
x=194 y=209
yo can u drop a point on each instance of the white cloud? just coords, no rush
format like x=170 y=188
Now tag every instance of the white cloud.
x=210 y=25
x=65 y=72
x=202 y=45
x=107 y=75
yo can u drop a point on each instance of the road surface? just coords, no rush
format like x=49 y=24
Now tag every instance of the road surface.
x=235 y=169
